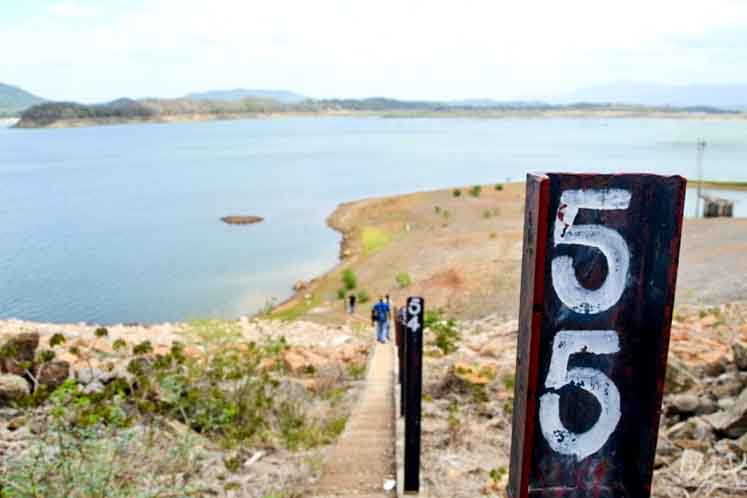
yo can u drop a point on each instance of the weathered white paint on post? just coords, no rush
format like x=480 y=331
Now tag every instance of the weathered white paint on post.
x=560 y=439
x=609 y=242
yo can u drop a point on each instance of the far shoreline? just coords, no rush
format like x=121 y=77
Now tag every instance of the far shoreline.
x=389 y=114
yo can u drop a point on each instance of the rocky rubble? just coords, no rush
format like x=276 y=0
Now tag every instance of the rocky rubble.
x=95 y=355
x=702 y=448
x=313 y=367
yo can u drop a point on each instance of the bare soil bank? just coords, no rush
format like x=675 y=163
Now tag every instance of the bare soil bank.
x=463 y=253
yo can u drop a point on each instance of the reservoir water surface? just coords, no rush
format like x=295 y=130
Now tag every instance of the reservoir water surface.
x=121 y=223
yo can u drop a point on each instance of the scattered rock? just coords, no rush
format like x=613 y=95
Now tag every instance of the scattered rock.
x=293 y=361
x=53 y=374
x=740 y=355
x=732 y=422
x=716 y=367
x=684 y=403
x=678 y=377
x=87 y=375
x=706 y=406
x=13 y=387
x=725 y=403
x=18 y=353
x=694 y=432
x=16 y=423
x=94 y=387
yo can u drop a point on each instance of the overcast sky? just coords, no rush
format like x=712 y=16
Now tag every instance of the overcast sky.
x=95 y=50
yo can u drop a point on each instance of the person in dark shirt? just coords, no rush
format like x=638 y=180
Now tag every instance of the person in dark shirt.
x=351 y=303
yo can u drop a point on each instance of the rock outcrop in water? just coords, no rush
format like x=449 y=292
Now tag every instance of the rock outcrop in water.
x=241 y=220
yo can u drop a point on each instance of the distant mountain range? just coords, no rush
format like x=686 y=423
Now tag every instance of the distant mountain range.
x=722 y=96
x=14 y=100
x=282 y=96
x=617 y=98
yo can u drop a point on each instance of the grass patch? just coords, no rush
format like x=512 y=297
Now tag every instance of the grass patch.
x=403 y=279
x=363 y=296
x=297 y=310
x=213 y=332
x=374 y=239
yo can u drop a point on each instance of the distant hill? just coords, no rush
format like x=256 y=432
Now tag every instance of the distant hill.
x=129 y=110
x=13 y=100
x=64 y=114
x=282 y=96
x=722 y=96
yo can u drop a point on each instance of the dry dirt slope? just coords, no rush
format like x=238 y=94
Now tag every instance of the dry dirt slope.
x=463 y=253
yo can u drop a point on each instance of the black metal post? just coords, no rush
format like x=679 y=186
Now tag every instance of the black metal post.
x=413 y=335
x=399 y=330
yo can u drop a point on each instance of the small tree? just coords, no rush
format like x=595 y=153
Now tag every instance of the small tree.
x=475 y=191
x=349 y=279
x=457 y=192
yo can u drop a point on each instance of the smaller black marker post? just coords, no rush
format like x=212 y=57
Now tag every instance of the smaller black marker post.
x=413 y=335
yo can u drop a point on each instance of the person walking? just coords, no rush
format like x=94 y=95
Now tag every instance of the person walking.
x=351 y=303
x=389 y=315
x=380 y=319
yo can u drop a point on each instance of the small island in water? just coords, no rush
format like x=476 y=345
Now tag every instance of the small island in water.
x=241 y=220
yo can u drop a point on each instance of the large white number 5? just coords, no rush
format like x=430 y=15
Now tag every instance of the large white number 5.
x=566 y=343
x=609 y=242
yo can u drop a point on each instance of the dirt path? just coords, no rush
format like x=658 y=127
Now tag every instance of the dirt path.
x=363 y=457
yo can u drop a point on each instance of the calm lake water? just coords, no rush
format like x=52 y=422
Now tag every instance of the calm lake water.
x=121 y=223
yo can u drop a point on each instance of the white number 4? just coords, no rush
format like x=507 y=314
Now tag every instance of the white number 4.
x=414 y=309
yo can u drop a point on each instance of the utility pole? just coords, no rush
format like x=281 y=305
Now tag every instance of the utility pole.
x=699 y=162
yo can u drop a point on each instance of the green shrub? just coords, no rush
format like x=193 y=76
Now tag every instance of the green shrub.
x=45 y=355
x=457 y=192
x=357 y=371
x=56 y=340
x=349 y=279
x=509 y=381
x=437 y=209
x=499 y=186
x=475 y=191
x=445 y=330
x=137 y=437
x=101 y=332
x=363 y=296
x=341 y=293
x=144 y=347
x=403 y=279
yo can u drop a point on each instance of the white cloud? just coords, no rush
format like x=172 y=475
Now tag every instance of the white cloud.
x=412 y=49
x=68 y=9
